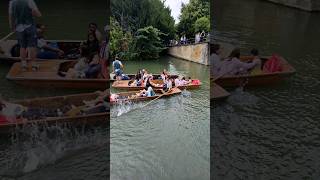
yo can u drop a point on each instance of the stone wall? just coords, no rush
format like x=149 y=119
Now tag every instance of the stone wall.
x=198 y=53
x=308 y=5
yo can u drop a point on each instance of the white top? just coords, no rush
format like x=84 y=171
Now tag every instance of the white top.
x=234 y=66
x=12 y=110
x=32 y=5
x=41 y=43
x=81 y=65
x=177 y=82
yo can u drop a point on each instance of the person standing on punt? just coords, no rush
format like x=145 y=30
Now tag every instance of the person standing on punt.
x=21 y=20
x=117 y=67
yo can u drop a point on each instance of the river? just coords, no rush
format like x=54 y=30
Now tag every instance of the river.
x=269 y=132
x=168 y=139
x=66 y=155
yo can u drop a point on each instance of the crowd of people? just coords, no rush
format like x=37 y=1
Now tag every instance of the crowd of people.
x=199 y=37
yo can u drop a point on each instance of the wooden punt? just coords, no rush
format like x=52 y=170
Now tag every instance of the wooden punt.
x=70 y=47
x=264 y=79
x=54 y=103
x=123 y=85
x=124 y=96
x=132 y=76
x=218 y=93
x=48 y=76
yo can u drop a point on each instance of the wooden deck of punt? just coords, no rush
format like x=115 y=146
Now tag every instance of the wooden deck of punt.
x=264 y=79
x=123 y=85
x=131 y=76
x=218 y=93
x=66 y=45
x=124 y=96
x=58 y=102
x=47 y=76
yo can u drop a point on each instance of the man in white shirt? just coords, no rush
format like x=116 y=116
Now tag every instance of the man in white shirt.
x=21 y=20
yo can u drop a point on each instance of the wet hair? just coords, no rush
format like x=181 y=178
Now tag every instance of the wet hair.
x=214 y=48
x=235 y=53
x=254 y=52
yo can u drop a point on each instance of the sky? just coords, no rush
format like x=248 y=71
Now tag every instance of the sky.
x=175 y=6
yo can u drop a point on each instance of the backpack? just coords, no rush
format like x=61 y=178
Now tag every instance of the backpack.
x=273 y=64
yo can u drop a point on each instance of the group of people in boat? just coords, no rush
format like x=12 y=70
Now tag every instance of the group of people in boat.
x=233 y=65
x=165 y=82
x=93 y=56
x=13 y=112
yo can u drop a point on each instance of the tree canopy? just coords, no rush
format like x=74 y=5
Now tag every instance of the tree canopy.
x=135 y=14
x=190 y=13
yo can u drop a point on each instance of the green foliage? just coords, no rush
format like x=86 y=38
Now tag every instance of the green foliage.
x=202 y=24
x=120 y=42
x=148 y=43
x=135 y=14
x=190 y=13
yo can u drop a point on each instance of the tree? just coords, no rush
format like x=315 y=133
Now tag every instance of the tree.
x=135 y=14
x=190 y=13
x=202 y=24
x=148 y=43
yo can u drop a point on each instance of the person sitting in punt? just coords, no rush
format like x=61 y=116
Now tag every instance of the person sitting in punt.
x=101 y=106
x=93 y=28
x=79 y=69
x=10 y=112
x=186 y=82
x=257 y=68
x=234 y=66
x=46 y=50
x=167 y=85
x=92 y=43
x=177 y=82
x=114 y=97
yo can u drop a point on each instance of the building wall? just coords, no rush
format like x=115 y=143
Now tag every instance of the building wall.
x=198 y=53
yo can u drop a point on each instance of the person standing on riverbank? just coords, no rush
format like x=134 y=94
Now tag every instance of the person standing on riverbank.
x=21 y=20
